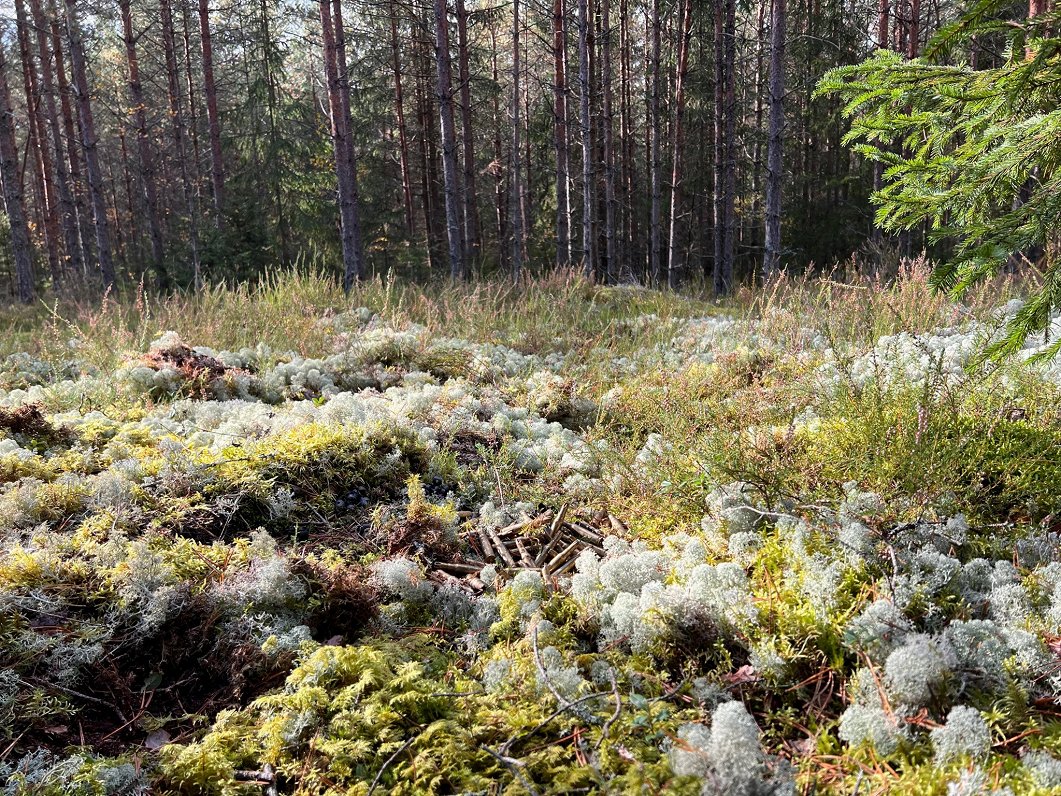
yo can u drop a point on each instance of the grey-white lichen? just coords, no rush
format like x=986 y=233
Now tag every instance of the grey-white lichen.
x=965 y=734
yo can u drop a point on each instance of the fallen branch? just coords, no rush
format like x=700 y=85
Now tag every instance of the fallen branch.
x=386 y=763
x=513 y=765
x=544 y=674
x=615 y=716
x=545 y=722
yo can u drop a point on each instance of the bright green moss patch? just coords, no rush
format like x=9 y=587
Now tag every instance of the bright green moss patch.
x=395 y=715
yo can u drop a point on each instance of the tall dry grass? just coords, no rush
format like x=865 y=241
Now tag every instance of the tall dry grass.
x=559 y=311
x=556 y=312
x=851 y=306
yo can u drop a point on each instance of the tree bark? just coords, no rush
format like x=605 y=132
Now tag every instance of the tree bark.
x=627 y=170
x=655 y=254
x=348 y=220
x=913 y=42
x=354 y=274
x=730 y=194
x=674 y=263
x=77 y=182
x=498 y=172
x=144 y=149
x=762 y=41
x=133 y=208
x=433 y=204
x=217 y=161
x=177 y=127
x=399 y=115
x=473 y=241
x=193 y=105
x=89 y=144
x=517 y=213
x=16 y=212
x=775 y=142
x=40 y=146
x=71 y=231
x=449 y=141
x=560 y=136
x=589 y=227
x=724 y=145
x=611 y=268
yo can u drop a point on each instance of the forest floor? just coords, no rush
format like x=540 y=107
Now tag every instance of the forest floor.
x=539 y=540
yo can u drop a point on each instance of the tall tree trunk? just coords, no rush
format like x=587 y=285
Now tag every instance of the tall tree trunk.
x=518 y=231
x=498 y=171
x=77 y=183
x=611 y=267
x=399 y=114
x=283 y=224
x=71 y=232
x=898 y=27
x=40 y=146
x=730 y=193
x=655 y=254
x=628 y=223
x=32 y=164
x=560 y=136
x=473 y=238
x=776 y=141
x=119 y=235
x=761 y=79
x=434 y=206
x=589 y=227
x=193 y=104
x=176 y=114
x=89 y=144
x=674 y=263
x=217 y=161
x=883 y=43
x=16 y=212
x=527 y=186
x=449 y=141
x=351 y=275
x=143 y=142
x=348 y=220
x=913 y=41
x=134 y=211
x=723 y=266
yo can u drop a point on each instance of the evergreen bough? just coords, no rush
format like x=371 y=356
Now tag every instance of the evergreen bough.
x=973 y=153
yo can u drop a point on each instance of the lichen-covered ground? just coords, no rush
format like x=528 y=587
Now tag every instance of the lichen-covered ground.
x=831 y=560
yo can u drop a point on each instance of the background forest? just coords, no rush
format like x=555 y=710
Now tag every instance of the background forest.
x=171 y=141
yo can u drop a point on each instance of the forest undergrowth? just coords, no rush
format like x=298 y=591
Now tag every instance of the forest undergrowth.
x=245 y=542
